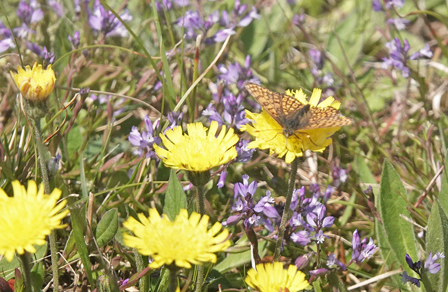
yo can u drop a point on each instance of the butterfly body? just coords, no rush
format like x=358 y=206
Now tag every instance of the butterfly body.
x=292 y=115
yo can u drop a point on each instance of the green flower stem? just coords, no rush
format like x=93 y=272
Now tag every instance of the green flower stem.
x=286 y=211
x=173 y=280
x=201 y=207
x=26 y=272
x=41 y=150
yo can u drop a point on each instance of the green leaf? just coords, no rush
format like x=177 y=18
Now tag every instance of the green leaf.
x=37 y=272
x=107 y=227
x=391 y=203
x=348 y=210
x=238 y=259
x=443 y=195
x=334 y=281
x=78 y=222
x=175 y=198
x=437 y=241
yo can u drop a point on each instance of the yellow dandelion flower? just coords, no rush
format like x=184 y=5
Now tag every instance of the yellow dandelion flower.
x=28 y=217
x=273 y=278
x=290 y=124
x=35 y=84
x=198 y=150
x=184 y=241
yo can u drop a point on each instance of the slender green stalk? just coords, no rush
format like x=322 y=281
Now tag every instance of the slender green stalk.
x=26 y=272
x=173 y=280
x=201 y=207
x=41 y=150
x=286 y=211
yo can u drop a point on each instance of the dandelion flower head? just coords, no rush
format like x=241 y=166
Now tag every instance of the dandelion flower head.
x=28 y=217
x=184 y=241
x=272 y=277
x=198 y=150
x=35 y=84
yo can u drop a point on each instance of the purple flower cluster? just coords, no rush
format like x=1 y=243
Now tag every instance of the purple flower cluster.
x=308 y=218
x=194 y=24
x=361 y=249
x=104 y=99
x=233 y=113
x=399 y=23
x=170 y=4
x=102 y=20
x=332 y=264
x=398 y=55
x=318 y=63
x=252 y=214
x=228 y=108
x=146 y=139
x=339 y=176
x=235 y=74
x=430 y=266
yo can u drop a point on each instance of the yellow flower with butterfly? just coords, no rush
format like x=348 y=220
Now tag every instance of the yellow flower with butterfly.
x=290 y=124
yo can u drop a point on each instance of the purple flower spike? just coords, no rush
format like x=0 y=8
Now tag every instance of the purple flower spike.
x=29 y=13
x=406 y=278
x=74 y=40
x=399 y=23
x=362 y=249
x=222 y=179
x=265 y=206
x=302 y=261
x=302 y=237
x=105 y=21
x=430 y=264
x=145 y=140
x=333 y=261
x=244 y=154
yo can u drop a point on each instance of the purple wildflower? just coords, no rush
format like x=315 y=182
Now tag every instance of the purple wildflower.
x=235 y=74
x=222 y=179
x=317 y=219
x=423 y=53
x=339 y=175
x=191 y=22
x=74 y=40
x=406 y=278
x=302 y=237
x=393 y=3
x=175 y=119
x=376 y=5
x=333 y=261
x=302 y=261
x=252 y=214
x=57 y=7
x=23 y=31
x=316 y=57
x=398 y=56
x=7 y=42
x=299 y=19
x=105 y=21
x=244 y=153
x=170 y=4
x=362 y=249
x=399 y=23
x=146 y=139
x=29 y=13
x=430 y=264
x=265 y=206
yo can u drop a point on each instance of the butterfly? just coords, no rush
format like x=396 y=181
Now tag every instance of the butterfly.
x=292 y=115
